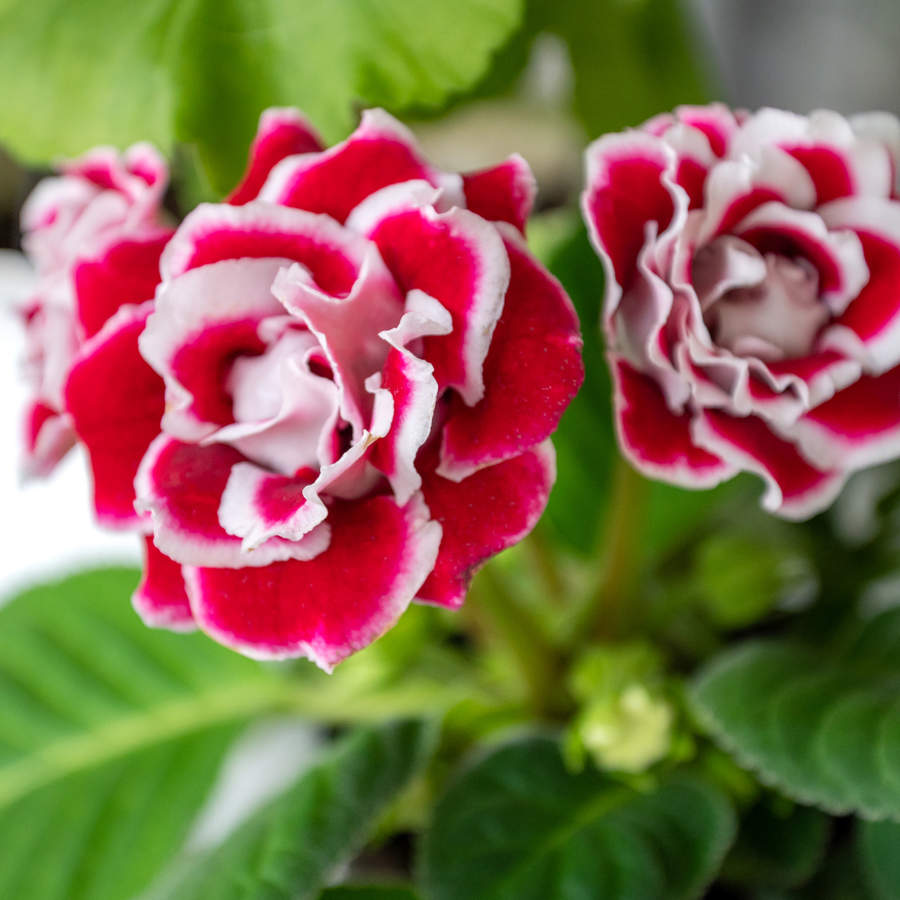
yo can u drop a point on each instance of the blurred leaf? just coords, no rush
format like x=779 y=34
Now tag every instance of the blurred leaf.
x=366 y=892
x=740 y=578
x=584 y=441
x=879 y=854
x=518 y=825
x=822 y=726
x=290 y=848
x=777 y=848
x=111 y=734
x=632 y=58
x=201 y=71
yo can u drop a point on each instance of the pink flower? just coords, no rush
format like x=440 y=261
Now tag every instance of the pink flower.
x=752 y=306
x=362 y=366
x=94 y=234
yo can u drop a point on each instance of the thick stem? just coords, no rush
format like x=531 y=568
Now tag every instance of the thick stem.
x=610 y=610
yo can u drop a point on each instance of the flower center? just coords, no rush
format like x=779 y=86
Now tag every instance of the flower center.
x=754 y=305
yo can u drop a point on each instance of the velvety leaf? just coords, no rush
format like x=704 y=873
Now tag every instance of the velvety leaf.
x=290 y=848
x=879 y=853
x=201 y=71
x=777 y=848
x=822 y=726
x=111 y=735
x=518 y=825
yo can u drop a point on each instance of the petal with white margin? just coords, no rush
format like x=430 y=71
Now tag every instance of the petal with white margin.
x=380 y=152
x=837 y=254
x=331 y=606
x=858 y=427
x=285 y=415
x=869 y=329
x=215 y=231
x=454 y=256
x=282 y=132
x=181 y=486
x=532 y=372
x=203 y=319
x=629 y=185
x=657 y=441
x=482 y=515
x=502 y=193
x=795 y=489
x=161 y=598
x=410 y=384
x=347 y=328
x=116 y=403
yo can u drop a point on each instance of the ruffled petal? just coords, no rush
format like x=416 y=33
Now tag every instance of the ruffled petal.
x=795 y=489
x=857 y=427
x=125 y=272
x=161 y=598
x=839 y=161
x=380 y=152
x=482 y=515
x=282 y=132
x=410 y=385
x=48 y=437
x=869 y=328
x=216 y=232
x=181 y=487
x=532 y=372
x=329 y=607
x=203 y=320
x=657 y=441
x=629 y=185
x=454 y=256
x=347 y=328
x=116 y=402
x=837 y=255
x=502 y=193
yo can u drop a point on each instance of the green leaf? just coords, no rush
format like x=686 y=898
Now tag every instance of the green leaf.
x=879 y=854
x=823 y=726
x=584 y=441
x=518 y=825
x=111 y=735
x=632 y=58
x=201 y=71
x=292 y=846
x=777 y=847
x=368 y=892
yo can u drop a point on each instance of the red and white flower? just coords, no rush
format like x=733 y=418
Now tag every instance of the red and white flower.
x=94 y=234
x=354 y=368
x=752 y=306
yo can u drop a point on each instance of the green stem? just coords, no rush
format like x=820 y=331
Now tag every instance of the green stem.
x=610 y=605
x=504 y=620
x=546 y=562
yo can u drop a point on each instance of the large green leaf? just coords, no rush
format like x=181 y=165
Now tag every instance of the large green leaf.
x=518 y=825
x=110 y=737
x=777 y=848
x=879 y=856
x=289 y=849
x=201 y=71
x=822 y=726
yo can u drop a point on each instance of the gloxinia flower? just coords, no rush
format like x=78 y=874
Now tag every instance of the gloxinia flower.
x=94 y=234
x=752 y=307
x=362 y=365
